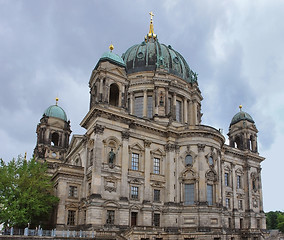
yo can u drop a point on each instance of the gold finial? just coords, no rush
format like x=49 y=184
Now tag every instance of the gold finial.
x=240 y=107
x=25 y=156
x=111 y=47
x=56 y=101
x=151 y=33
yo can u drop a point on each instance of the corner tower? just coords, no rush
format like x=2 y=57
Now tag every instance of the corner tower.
x=53 y=133
x=243 y=132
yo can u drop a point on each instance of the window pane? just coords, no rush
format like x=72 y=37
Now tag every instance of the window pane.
x=135 y=161
x=72 y=191
x=210 y=160
x=189 y=194
x=138 y=106
x=188 y=160
x=156 y=219
x=71 y=217
x=110 y=217
x=156 y=165
x=156 y=195
x=134 y=192
x=226 y=179
x=149 y=106
x=239 y=185
x=210 y=194
x=178 y=111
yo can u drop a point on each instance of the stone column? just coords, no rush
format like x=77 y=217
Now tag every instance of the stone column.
x=190 y=120
x=202 y=186
x=131 y=103
x=124 y=165
x=156 y=97
x=101 y=91
x=169 y=172
x=148 y=170
x=234 y=185
x=97 y=163
x=174 y=106
x=145 y=103
x=194 y=113
x=166 y=101
x=185 y=110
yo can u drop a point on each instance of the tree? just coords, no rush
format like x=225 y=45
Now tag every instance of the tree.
x=271 y=220
x=280 y=220
x=25 y=193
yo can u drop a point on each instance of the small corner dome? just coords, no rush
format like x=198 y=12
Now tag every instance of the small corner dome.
x=241 y=115
x=111 y=57
x=55 y=111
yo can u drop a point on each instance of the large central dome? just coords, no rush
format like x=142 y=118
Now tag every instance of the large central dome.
x=151 y=55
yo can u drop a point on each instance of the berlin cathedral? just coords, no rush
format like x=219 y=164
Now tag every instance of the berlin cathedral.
x=146 y=167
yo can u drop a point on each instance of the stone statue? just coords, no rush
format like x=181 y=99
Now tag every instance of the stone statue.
x=111 y=157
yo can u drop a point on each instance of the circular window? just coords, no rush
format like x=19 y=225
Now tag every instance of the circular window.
x=176 y=60
x=140 y=55
x=53 y=154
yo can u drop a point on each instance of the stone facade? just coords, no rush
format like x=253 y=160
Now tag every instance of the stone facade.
x=146 y=168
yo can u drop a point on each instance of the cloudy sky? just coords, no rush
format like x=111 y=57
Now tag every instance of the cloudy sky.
x=49 y=48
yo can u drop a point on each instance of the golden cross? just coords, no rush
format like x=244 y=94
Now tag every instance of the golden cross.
x=151 y=14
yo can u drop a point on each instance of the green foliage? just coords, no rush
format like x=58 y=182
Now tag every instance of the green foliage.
x=275 y=220
x=25 y=193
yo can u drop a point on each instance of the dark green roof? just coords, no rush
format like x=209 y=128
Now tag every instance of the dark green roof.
x=151 y=55
x=55 y=111
x=111 y=57
x=241 y=116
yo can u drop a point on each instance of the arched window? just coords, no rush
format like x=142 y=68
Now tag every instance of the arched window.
x=114 y=95
x=54 y=139
x=188 y=160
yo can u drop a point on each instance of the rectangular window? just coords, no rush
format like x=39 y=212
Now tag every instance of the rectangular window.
x=258 y=223
x=157 y=195
x=178 y=111
x=89 y=187
x=226 y=179
x=110 y=217
x=230 y=222
x=135 y=161
x=134 y=192
x=241 y=204
x=91 y=157
x=228 y=203
x=149 y=106
x=189 y=194
x=210 y=194
x=156 y=169
x=156 y=220
x=134 y=218
x=239 y=183
x=241 y=223
x=72 y=191
x=71 y=218
x=138 y=106
x=169 y=105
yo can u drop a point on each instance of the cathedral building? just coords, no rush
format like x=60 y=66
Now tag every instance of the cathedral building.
x=146 y=168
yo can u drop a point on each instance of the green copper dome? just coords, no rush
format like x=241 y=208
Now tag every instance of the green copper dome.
x=241 y=116
x=151 y=55
x=111 y=57
x=56 y=111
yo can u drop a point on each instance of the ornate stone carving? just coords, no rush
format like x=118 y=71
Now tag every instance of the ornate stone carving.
x=147 y=143
x=99 y=129
x=125 y=135
x=200 y=147
x=170 y=147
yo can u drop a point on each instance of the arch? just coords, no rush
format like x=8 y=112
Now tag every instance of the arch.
x=55 y=139
x=114 y=95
